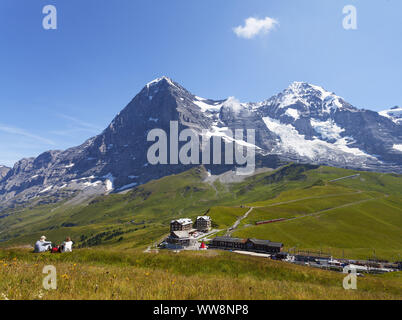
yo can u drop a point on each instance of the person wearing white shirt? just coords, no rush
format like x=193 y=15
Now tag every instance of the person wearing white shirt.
x=67 y=245
x=42 y=245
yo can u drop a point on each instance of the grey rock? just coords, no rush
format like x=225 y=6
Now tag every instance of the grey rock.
x=3 y=171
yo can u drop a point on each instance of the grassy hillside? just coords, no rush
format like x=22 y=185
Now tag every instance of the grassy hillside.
x=110 y=274
x=356 y=217
x=359 y=217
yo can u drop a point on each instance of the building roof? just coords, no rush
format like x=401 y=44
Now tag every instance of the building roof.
x=207 y=218
x=180 y=234
x=260 y=242
x=266 y=243
x=276 y=244
x=254 y=241
x=229 y=239
x=183 y=221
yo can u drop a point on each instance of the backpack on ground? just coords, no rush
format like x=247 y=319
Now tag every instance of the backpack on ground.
x=55 y=249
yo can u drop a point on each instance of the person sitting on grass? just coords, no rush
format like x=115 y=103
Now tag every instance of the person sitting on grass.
x=42 y=245
x=67 y=245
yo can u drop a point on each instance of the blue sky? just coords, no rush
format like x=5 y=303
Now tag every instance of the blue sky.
x=60 y=87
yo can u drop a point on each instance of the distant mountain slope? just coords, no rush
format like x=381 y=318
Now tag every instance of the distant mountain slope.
x=358 y=214
x=304 y=123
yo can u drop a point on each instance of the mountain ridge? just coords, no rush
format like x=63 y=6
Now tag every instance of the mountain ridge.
x=303 y=123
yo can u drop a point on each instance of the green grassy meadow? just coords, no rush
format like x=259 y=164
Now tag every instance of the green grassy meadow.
x=206 y=275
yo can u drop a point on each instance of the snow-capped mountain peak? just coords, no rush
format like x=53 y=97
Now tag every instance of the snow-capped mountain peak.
x=304 y=88
x=160 y=80
x=307 y=99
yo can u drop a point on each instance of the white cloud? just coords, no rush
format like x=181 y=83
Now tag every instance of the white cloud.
x=76 y=126
x=254 y=27
x=26 y=134
x=82 y=124
x=234 y=104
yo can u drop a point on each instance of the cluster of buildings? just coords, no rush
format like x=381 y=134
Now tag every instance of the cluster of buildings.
x=184 y=235
x=184 y=232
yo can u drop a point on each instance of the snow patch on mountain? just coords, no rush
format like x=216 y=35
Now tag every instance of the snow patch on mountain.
x=46 y=189
x=293 y=113
x=324 y=93
x=293 y=142
x=92 y=184
x=395 y=114
x=207 y=107
x=228 y=136
x=109 y=181
x=328 y=130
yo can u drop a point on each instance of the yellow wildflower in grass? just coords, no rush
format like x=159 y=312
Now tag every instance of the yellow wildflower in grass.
x=147 y=274
x=5 y=264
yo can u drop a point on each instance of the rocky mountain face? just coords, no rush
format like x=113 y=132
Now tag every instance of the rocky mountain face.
x=303 y=123
x=3 y=171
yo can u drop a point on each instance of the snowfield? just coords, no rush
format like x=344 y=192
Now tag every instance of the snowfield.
x=328 y=130
x=398 y=147
x=395 y=114
x=294 y=142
